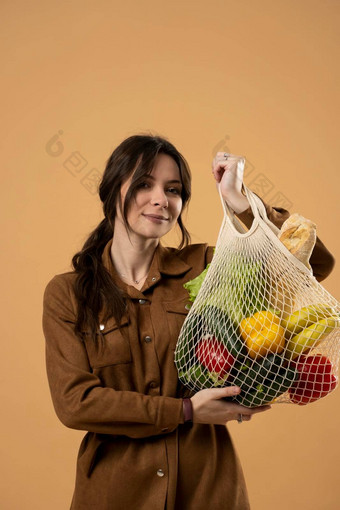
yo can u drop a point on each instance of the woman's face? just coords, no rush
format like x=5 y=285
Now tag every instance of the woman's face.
x=158 y=202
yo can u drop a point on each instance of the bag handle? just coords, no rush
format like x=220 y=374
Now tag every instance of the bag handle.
x=256 y=205
x=229 y=216
x=260 y=216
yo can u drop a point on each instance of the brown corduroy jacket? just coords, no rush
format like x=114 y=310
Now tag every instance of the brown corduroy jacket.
x=124 y=391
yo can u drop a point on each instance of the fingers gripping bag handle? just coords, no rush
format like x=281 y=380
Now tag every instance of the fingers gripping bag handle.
x=260 y=218
x=260 y=320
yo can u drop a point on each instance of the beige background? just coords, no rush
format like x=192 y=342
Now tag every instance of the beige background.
x=257 y=78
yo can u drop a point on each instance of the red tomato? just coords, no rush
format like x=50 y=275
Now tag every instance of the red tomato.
x=316 y=379
x=214 y=356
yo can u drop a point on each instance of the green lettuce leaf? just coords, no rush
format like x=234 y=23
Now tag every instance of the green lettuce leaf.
x=193 y=286
x=244 y=294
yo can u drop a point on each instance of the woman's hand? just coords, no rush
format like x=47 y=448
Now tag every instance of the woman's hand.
x=209 y=408
x=230 y=177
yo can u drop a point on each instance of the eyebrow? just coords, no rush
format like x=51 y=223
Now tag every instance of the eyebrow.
x=173 y=181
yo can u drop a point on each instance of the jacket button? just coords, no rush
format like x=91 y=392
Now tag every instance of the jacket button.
x=142 y=301
x=147 y=339
x=153 y=384
x=160 y=472
x=154 y=278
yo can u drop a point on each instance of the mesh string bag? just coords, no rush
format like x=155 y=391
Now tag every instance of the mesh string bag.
x=260 y=320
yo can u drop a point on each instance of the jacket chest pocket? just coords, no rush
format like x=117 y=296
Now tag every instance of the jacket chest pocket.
x=176 y=312
x=111 y=346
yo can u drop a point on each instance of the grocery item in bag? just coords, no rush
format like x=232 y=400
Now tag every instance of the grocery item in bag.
x=260 y=319
x=299 y=235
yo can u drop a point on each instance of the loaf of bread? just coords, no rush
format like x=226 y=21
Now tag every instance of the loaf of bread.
x=299 y=236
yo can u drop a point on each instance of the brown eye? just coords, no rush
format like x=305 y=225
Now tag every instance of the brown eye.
x=175 y=191
x=143 y=185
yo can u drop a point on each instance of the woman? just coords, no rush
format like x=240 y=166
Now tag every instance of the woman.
x=111 y=327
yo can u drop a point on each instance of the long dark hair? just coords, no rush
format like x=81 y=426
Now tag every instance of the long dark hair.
x=94 y=288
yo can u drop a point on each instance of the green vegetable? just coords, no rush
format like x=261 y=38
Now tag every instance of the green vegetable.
x=243 y=289
x=199 y=378
x=262 y=382
x=214 y=323
x=195 y=377
x=193 y=286
x=225 y=331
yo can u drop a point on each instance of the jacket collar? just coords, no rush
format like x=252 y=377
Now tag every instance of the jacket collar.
x=165 y=261
x=169 y=263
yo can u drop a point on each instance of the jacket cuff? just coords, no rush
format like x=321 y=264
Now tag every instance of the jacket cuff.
x=170 y=414
x=187 y=410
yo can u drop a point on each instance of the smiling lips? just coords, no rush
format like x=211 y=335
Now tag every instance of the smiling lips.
x=155 y=217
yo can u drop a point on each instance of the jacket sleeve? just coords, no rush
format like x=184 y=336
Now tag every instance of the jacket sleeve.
x=79 y=399
x=321 y=260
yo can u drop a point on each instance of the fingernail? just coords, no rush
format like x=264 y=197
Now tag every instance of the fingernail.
x=236 y=390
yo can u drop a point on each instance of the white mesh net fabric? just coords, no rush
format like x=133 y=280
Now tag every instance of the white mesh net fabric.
x=260 y=321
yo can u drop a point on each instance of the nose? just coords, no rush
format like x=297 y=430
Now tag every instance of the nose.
x=159 y=198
